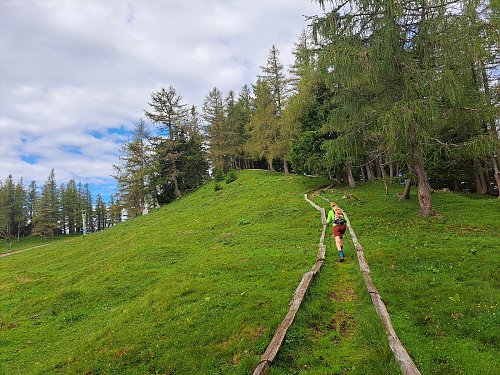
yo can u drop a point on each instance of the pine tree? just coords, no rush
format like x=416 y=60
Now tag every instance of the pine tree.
x=101 y=215
x=20 y=209
x=46 y=222
x=215 y=127
x=136 y=176
x=114 y=211
x=31 y=204
x=70 y=205
x=263 y=128
x=279 y=84
x=170 y=114
x=194 y=159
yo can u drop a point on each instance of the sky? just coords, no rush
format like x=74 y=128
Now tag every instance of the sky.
x=76 y=76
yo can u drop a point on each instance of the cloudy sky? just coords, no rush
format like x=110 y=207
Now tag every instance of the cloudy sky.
x=75 y=76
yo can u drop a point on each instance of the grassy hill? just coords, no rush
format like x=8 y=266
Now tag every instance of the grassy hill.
x=438 y=276
x=195 y=287
x=199 y=286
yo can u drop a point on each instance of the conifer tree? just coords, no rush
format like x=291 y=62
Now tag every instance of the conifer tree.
x=168 y=111
x=215 y=127
x=263 y=127
x=70 y=205
x=101 y=215
x=31 y=204
x=46 y=221
x=114 y=211
x=136 y=175
x=194 y=159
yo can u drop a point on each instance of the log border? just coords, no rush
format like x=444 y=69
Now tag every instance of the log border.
x=404 y=360
x=279 y=335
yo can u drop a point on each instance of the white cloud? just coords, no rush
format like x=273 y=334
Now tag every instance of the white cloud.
x=70 y=69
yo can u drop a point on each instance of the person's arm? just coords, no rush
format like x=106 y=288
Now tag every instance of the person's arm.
x=330 y=217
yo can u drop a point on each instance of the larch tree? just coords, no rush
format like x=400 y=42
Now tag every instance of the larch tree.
x=170 y=113
x=71 y=209
x=274 y=74
x=263 y=129
x=213 y=114
x=101 y=214
x=399 y=44
x=135 y=175
x=47 y=218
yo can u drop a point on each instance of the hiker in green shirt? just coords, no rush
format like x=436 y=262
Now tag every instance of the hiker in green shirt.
x=336 y=216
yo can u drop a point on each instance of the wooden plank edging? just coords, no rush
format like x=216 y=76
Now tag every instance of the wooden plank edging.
x=279 y=335
x=404 y=360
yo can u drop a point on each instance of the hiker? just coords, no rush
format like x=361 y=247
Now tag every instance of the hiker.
x=336 y=215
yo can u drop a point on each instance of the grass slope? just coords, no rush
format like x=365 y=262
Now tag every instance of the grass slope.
x=438 y=276
x=27 y=243
x=198 y=286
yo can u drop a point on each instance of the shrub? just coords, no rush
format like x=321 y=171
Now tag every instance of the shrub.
x=231 y=176
x=218 y=175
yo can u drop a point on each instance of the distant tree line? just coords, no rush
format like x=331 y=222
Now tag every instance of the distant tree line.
x=51 y=209
x=379 y=89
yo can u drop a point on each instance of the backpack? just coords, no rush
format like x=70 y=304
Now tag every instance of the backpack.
x=339 y=218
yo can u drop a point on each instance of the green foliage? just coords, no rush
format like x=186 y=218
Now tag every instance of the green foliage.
x=231 y=176
x=218 y=175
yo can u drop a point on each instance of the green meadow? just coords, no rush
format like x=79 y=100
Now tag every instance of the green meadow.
x=28 y=243
x=200 y=285
x=438 y=277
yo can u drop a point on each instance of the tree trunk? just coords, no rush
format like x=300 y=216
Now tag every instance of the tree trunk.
x=363 y=175
x=350 y=178
x=338 y=178
x=492 y=126
x=369 y=171
x=378 y=168
x=477 y=179
x=406 y=192
x=270 y=164
x=176 y=187
x=424 y=189
x=497 y=174
x=391 y=170
x=285 y=166
x=384 y=176
x=483 y=182
x=486 y=176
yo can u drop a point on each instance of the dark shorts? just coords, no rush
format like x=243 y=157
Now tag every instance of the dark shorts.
x=339 y=230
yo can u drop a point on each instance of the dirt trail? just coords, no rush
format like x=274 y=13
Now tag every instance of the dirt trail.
x=22 y=250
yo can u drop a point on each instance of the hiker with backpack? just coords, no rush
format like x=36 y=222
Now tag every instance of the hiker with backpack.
x=336 y=216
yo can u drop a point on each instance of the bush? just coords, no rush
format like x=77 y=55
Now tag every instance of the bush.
x=217 y=187
x=218 y=175
x=231 y=176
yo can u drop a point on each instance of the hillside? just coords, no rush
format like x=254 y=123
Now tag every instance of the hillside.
x=200 y=285
x=197 y=286
x=438 y=277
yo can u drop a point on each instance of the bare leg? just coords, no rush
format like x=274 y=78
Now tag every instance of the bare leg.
x=339 y=242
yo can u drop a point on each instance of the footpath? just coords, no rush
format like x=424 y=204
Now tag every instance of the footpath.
x=20 y=251
x=404 y=360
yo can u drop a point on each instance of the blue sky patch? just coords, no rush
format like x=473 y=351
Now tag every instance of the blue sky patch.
x=96 y=134
x=30 y=158
x=73 y=150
